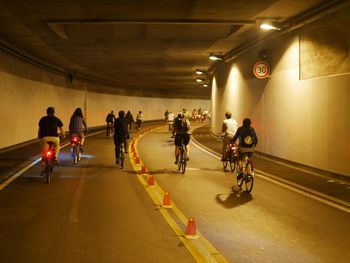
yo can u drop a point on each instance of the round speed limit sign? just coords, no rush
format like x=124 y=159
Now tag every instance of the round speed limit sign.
x=261 y=69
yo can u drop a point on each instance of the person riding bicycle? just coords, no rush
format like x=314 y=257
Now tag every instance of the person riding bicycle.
x=110 y=121
x=229 y=128
x=182 y=131
x=247 y=140
x=139 y=120
x=121 y=134
x=47 y=132
x=77 y=126
x=171 y=118
x=129 y=119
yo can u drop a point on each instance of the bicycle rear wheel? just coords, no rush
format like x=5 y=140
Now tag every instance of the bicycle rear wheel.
x=122 y=157
x=48 y=171
x=249 y=178
x=232 y=162
x=183 y=163
x=239 y=177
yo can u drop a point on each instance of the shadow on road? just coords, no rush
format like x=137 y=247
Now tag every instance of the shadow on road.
x=234 y=199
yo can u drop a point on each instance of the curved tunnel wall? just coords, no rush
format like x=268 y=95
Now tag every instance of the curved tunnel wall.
x=26 y=91
x=301 y=112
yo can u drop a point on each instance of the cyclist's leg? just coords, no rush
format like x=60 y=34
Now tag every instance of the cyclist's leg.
x=186 y=140
x=177 y=143
x=126 y=145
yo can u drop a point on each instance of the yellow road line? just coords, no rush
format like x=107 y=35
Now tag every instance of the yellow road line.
x=201 y=249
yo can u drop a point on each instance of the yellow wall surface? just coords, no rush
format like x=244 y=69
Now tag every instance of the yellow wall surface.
x=27 y=91
x=304 y=121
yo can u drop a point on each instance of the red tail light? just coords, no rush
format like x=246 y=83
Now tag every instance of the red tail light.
x=49 y=154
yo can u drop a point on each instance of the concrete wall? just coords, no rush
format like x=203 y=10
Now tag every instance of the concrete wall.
x=26 y=91
x=305 y=121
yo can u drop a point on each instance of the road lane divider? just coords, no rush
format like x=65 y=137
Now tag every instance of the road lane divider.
x=199 y=247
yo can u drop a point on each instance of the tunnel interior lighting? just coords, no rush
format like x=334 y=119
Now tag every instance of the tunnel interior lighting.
x=199 y=80
x=200 y=72
x=270 y=25
x=205 y=85
x=215 y=57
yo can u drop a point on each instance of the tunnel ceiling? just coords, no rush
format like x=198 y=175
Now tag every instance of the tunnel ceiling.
x=138 y=45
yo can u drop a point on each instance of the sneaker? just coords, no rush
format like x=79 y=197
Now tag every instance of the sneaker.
x=81 y=149
x=187 y=158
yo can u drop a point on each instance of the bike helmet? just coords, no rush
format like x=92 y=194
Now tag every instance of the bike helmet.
x=50 y=110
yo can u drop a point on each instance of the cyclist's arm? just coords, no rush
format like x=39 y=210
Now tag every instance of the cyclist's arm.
x=62 y=132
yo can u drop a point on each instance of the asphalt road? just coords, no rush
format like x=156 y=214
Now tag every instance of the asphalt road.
x=95 y=212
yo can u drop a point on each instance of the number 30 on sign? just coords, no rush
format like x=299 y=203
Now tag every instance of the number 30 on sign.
x=261 y=69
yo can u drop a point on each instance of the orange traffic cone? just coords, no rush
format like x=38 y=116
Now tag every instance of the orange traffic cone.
x=151 y=180
x=191 y=229
x=166 y=200
x=143 y=169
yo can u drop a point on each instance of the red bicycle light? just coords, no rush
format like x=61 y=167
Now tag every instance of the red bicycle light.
x=75 y=139
x=48 y=153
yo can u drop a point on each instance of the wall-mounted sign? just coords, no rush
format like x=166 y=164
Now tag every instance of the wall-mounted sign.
x=261 y=69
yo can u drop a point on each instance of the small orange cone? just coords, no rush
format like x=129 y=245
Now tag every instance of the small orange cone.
x=151 y=180
x=166 y=200
x=143 y=169
x=191 y=228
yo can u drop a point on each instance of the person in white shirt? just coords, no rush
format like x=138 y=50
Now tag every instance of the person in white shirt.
x=229 y=128
x=171 y=117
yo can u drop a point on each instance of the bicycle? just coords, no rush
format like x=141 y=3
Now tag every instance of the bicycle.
x=109 y=129
x=75 y=149
x=48 y=163
x=231 y=156
x=246 y=173
x=181 y=159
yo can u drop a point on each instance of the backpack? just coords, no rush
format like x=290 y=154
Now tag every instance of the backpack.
x=182 y=125
x=247 y=138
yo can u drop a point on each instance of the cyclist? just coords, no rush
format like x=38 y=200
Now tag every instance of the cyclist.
x=47 y=132
x=182 y=131
x=77 y=125
x=139 y=120
x=121 y=134
x=110 y=120
x=247 y=140
x=229 y=128
x=129 y=119
x=171 y=117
